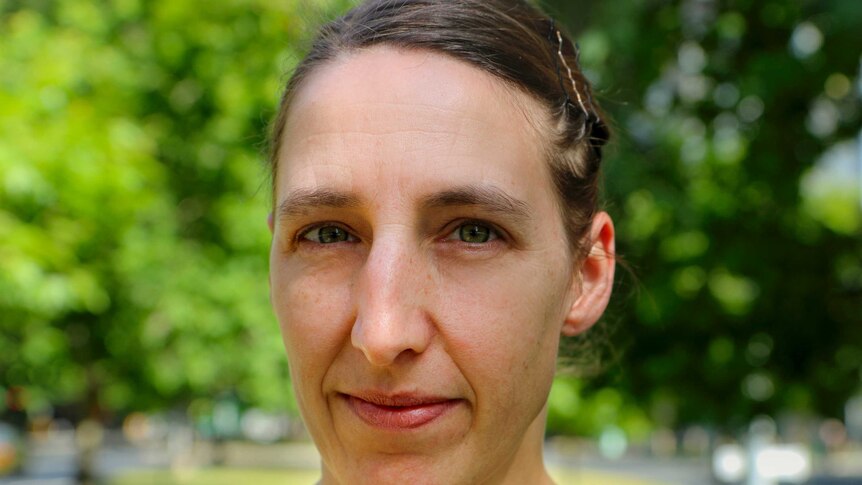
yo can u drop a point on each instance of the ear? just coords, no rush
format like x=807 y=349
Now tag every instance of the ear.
x=270 y=222
x=594 y=279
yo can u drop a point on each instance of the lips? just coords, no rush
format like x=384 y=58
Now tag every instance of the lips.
x=394 y=412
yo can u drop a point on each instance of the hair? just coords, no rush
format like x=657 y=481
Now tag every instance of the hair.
x=510 y=39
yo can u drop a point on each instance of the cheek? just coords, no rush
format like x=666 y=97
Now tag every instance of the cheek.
x=503 y=323
x=313 y=311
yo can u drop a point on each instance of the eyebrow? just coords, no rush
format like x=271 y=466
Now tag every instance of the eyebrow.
x=489 y=198
x=301 y=201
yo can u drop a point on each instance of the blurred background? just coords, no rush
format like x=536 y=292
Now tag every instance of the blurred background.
x=136 y=340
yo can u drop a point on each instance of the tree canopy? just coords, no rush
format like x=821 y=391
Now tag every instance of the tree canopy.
x=134 y=195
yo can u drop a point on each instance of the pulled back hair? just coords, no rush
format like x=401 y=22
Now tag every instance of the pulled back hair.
x=509 y=39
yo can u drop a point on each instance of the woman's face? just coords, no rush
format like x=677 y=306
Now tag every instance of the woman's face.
x=419 y=269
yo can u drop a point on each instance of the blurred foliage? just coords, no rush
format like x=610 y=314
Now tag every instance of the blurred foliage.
x=735 y=183
x=133 y=268
x=133 y=199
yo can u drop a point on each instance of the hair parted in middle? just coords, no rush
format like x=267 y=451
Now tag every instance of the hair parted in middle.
x=510 y=39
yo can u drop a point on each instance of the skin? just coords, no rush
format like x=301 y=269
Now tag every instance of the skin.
x=399 y=149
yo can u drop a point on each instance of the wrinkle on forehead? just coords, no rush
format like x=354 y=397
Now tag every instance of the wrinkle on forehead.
x=321 y=91
x=399 y=112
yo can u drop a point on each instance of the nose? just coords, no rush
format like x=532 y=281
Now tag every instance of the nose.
x=390 y=319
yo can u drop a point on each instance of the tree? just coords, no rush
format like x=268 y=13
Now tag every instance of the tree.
x=133 y=202
x=133 y=199
x=747 y=302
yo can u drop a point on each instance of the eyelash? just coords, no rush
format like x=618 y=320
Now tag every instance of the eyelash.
x=452 y=234
x=495 y=234
x=302 y=235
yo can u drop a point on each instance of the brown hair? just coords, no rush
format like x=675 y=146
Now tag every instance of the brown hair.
x=510 y=39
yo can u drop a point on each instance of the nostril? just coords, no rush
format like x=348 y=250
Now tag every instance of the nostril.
x=369 y=336
x=383 y=338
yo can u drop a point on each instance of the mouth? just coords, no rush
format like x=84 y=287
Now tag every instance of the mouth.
x=394 y=412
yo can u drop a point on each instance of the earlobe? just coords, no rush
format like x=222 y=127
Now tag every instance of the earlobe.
x=594 y=278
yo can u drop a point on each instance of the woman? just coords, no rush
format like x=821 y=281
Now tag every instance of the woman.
x=435 y=232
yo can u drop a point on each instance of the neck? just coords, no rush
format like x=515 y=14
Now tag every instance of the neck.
x=527 y=465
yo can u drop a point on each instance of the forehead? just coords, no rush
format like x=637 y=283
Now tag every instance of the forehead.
x=414 y=115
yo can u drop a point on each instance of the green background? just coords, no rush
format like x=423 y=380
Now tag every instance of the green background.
x=134 y=195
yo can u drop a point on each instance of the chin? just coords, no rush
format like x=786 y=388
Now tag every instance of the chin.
x=397 y=470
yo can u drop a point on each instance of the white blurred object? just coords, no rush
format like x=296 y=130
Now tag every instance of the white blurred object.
x=805 y=40
x=263 y=427
x=761 y=435
x=773 y=463
x=613 y=443
x=729 y=464
x=788 y=463
x=853 y=408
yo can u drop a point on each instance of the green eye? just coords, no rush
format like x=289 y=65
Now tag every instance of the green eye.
x=475 y=233
x=327 y=235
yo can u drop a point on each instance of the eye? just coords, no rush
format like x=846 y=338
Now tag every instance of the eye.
x=473 y=233
x=328 y=235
